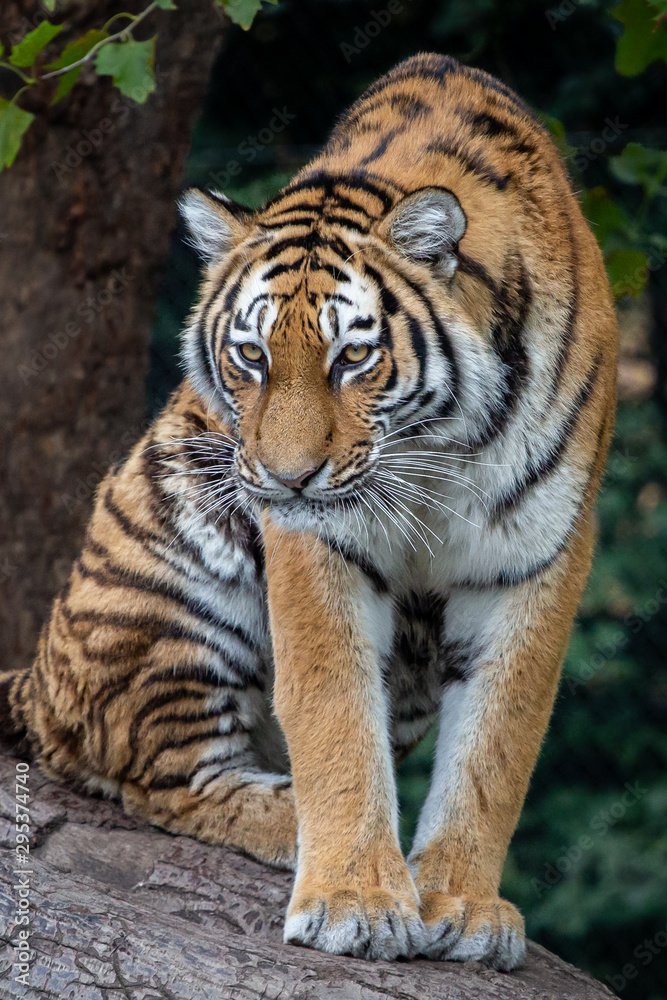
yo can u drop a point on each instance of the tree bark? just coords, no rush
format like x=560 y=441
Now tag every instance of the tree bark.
x=119 y=909
x=87 y=211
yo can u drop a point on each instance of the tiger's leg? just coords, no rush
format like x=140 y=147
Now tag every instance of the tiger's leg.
x=168 y=735
x=353 y=892
x=206 y=781
x=491 y=727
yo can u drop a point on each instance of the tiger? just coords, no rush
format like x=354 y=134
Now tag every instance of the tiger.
x=368 y=508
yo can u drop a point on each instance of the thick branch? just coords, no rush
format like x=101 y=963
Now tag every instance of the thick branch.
x=123 y=908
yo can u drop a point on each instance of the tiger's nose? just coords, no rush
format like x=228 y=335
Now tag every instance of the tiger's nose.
x=298 y=482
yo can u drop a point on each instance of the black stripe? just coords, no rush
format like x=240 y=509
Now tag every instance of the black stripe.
x=568 y=335
x=511 y=314
x=513 y=578
x=389 y=300
x=154 y=629
x=364 y=565
x=486 y=124
x=335 y=272
x=119 y=576
x=361 y=323
x=307 y=241
x=193 y=718
x=444 y=342
x=419 y=348
x=342 y=201
x=322 y=179
x=467 y=265
x=404 y=104
x=305 y=221
x=147 y=762
x=391 y=381
x=473 y=162
x=414 y=714
x=185 y=741
x=549 y=461
x=203 y=675
x=344 y=220
x=169 y=697
x=382 y=146
x=278 y=269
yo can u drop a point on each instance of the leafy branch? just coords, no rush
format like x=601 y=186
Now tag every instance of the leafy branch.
x=630 y=241
x=117 y=54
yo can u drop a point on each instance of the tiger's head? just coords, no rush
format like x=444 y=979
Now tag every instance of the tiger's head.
x=319 y=331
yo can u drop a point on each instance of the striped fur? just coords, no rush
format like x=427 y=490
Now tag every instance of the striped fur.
x=369 y=504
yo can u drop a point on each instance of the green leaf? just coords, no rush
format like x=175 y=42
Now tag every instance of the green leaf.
x=556 y=130
x=605 y=215
x=243 y=12
x=50 y=5
x=627 y=271
x=639 y=164
x=13 y=123
x=72 y=53
x=166 y=5
x=644 y=39
x=25 y=53
x=130 y=64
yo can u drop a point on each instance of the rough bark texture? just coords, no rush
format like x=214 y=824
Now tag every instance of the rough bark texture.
x=123 y=910
x=86 y=214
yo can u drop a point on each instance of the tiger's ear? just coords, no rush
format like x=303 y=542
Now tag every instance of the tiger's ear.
x=216 y=223
x=426 y=226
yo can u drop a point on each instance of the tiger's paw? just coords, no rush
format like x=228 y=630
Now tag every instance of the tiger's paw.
x=370 y=923
x=465 y=929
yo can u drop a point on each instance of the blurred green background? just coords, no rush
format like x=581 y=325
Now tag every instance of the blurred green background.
x=588 y=864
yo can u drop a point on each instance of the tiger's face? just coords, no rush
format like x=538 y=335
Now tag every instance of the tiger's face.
x=317 y=342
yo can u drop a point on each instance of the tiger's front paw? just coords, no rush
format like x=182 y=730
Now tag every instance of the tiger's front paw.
x=368 y=923
x=466 y=929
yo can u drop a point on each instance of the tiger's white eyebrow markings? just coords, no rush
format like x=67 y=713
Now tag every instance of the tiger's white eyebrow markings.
x=242 y=320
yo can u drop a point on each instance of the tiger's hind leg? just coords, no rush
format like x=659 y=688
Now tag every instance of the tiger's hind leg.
x=196 y=767
x=251 y=811
x=182 y=745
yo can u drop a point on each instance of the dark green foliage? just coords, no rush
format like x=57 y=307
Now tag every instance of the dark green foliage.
x=588 y=865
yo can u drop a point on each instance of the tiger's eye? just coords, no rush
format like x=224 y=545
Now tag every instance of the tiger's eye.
x=251 y=352
x=354 y=353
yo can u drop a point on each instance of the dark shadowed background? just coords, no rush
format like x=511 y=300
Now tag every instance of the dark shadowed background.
x=588 y=865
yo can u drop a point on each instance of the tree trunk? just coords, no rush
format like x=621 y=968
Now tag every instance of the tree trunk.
x=119 y=909
x=86 y=214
